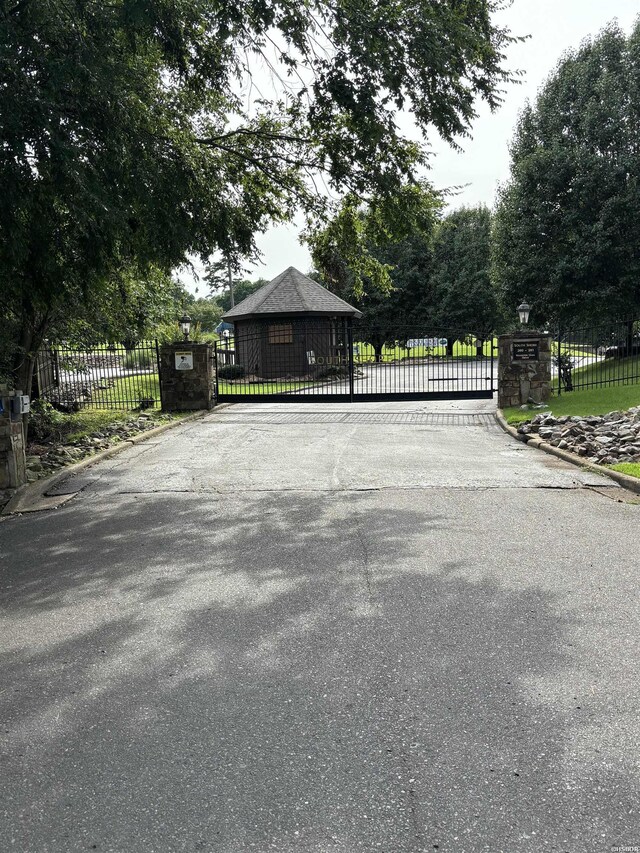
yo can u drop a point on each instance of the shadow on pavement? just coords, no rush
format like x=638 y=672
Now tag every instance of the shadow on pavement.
x=290 y=673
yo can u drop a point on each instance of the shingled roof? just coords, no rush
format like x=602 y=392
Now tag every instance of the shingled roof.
x=291 y=293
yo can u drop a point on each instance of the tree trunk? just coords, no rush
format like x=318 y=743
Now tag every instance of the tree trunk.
x=31 y=336
x=628 y=350
x=377 y=348
x=450 y=343
x=24 y=360
x=230 y=279
x=479 y=347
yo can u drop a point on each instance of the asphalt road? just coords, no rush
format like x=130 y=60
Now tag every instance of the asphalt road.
x=323 y=628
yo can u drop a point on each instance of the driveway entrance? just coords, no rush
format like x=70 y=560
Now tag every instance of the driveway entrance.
x=323 y=629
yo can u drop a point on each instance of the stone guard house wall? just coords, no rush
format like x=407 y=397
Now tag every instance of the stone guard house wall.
x=291 y=327
x=522 y=380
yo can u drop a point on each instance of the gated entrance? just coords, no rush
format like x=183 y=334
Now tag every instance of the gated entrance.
x=294 y=340
x=302 y=360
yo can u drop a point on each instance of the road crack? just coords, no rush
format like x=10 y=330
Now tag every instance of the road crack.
x=366 y=565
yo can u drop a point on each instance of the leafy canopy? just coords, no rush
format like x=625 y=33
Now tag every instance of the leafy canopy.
x=567 y=233
x=383 y=271
x=439 y=274
x=134 y=132
x=464 y=296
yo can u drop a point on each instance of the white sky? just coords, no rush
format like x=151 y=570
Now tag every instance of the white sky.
x=553 y=26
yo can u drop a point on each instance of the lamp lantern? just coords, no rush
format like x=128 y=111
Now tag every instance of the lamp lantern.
x=523 y=313
x=185 y=325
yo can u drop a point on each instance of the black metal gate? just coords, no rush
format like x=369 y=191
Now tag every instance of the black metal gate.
x=340 y=362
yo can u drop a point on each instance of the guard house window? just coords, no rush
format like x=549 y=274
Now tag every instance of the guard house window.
x=281 y=334
x=334 y=333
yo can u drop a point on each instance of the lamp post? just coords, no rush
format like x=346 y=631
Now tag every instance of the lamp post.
x=185 y=326
x=225 y=335
x=523 y=313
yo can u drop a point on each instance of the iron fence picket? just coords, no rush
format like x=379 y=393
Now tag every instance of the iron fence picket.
x=597 y=356
x=106 y=376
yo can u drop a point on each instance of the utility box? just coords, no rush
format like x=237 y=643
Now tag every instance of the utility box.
x=20 y=404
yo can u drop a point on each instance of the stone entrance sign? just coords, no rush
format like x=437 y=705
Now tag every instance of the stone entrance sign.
x=524 y=369
x=525 y=350
x=183 y=360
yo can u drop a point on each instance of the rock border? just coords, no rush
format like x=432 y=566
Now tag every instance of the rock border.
x=33 y=497
x=630 y=483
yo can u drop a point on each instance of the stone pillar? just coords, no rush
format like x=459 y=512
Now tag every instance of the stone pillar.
x=13 y=465
x=524 y=369
x=186 y=377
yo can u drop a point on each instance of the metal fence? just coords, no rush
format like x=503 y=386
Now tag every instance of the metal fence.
x=597 y=356
x=109 y=376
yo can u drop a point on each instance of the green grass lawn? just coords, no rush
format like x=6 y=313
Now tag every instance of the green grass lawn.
x=592 y=401
x=280 y=387
x=130 y=389
x=366 y=352
x=574 y=350
x=609 y=370
x=630 y=468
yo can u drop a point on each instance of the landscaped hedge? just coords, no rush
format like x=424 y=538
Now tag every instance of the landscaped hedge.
x=231 y=371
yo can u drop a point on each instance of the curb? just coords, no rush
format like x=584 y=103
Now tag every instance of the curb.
x=32 y=497
x=630 y=483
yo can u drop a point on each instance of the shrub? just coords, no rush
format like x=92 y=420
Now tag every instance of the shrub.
x=72 y=364
x=138 y=359
x=334 y=371
x=208 y=338
x=44 y=421
x=168 y=333
x=146 y=400
x=231 y=371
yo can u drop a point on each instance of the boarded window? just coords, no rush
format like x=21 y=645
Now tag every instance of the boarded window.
x=281 y=334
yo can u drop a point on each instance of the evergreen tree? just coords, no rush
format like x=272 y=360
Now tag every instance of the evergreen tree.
x=567 y=230
x=387 y=279
x=464 y=297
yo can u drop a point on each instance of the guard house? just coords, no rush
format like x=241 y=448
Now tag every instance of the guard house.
x=291 y=327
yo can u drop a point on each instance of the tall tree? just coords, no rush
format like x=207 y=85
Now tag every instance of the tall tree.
x=463 y=292
x=127 y=139
x=567 y=230
x=204 y=312
x=242 y=288
x=406 y=311
x=127 y=309
x=362 y=260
